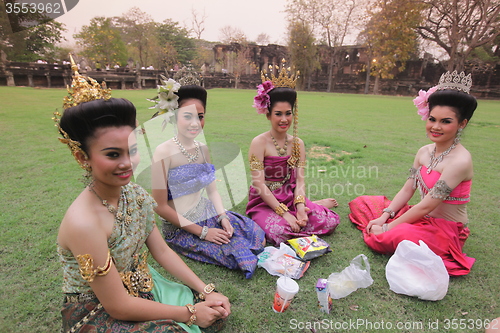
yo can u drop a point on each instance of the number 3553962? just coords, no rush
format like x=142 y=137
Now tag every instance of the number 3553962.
x=40 y=8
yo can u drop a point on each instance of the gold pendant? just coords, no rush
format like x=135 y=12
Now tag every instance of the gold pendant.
x=282 y=151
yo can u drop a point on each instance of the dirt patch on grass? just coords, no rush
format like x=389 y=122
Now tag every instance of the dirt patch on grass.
x=322 y=152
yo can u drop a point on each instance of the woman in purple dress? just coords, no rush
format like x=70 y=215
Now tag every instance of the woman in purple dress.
x=277 y=199
x=195 y=222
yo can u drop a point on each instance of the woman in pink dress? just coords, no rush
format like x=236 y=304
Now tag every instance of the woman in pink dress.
x=277 y=201
x=442 y=171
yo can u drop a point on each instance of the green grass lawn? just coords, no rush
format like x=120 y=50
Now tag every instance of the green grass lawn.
x=366 y=144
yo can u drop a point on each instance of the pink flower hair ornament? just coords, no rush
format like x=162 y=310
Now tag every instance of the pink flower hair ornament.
x=422 y=102
x=262 y=101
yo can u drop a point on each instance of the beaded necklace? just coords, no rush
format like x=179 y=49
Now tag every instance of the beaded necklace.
x=190 y=157
x=281 y=151
x=436 y=160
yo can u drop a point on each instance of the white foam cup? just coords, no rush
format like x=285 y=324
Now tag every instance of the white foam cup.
x=286 y=288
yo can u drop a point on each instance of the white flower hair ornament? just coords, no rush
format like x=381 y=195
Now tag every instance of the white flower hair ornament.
x=166 y=101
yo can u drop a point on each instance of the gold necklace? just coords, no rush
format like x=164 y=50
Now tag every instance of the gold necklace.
x=119 y=216
x=112 y=209
x=281 y=151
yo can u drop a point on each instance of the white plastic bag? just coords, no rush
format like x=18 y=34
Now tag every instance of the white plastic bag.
x=415 y=270
x=351 y=278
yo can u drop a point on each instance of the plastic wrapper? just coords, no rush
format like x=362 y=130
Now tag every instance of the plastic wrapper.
x=353 y=277
x=308 y=248
x=282 y=261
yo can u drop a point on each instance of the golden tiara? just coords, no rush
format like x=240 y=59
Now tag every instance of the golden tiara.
x=82 y=90
x=285 y=77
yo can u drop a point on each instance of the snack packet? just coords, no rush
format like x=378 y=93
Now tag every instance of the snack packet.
x=308 y=248
x=281 y=262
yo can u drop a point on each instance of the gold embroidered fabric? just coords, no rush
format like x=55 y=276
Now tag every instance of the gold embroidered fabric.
x=86 y=263
x=138 y=279
x=256 y=164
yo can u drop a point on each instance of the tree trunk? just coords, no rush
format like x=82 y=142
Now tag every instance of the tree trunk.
x=375 y=86
x=368 y=70
x=330 y=73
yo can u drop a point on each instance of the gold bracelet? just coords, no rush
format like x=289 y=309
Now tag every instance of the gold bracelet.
x=281 y=209
x=299 y=199
x=207 y=290
x=193 y=318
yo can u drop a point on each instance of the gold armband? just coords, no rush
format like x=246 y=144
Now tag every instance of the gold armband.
x=281 y=209
x=301 y=164
x=299 y=199
x=87 y=270
x=256 y=164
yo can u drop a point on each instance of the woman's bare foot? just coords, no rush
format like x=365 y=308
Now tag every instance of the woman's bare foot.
x=328 y=203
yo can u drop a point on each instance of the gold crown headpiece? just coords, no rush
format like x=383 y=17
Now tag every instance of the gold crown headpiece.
x=82 y=90
x=285 y=77
x=455 y=81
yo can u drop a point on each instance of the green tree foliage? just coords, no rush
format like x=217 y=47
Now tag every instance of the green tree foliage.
x=41 y=42
x=101 y=42
x=331 y=22
x=303 y=51
x=29 y=36
x=139 y=32
x=171 y=35
x=204 y=54
x=460 y=26
x=391 y=37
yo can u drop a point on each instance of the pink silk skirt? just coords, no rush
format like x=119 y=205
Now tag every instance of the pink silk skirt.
x=445 y=238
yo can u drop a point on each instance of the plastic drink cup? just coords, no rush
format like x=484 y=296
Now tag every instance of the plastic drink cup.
x=286 y=288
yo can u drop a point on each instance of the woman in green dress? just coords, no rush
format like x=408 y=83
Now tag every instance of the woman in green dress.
x=109 y=229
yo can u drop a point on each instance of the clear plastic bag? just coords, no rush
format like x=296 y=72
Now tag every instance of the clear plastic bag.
x=282 y=262
x=415 y=270
x=351 y=278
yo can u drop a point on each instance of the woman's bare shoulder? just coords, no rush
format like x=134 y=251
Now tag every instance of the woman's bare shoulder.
x=164 y=150
x=80 y=219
